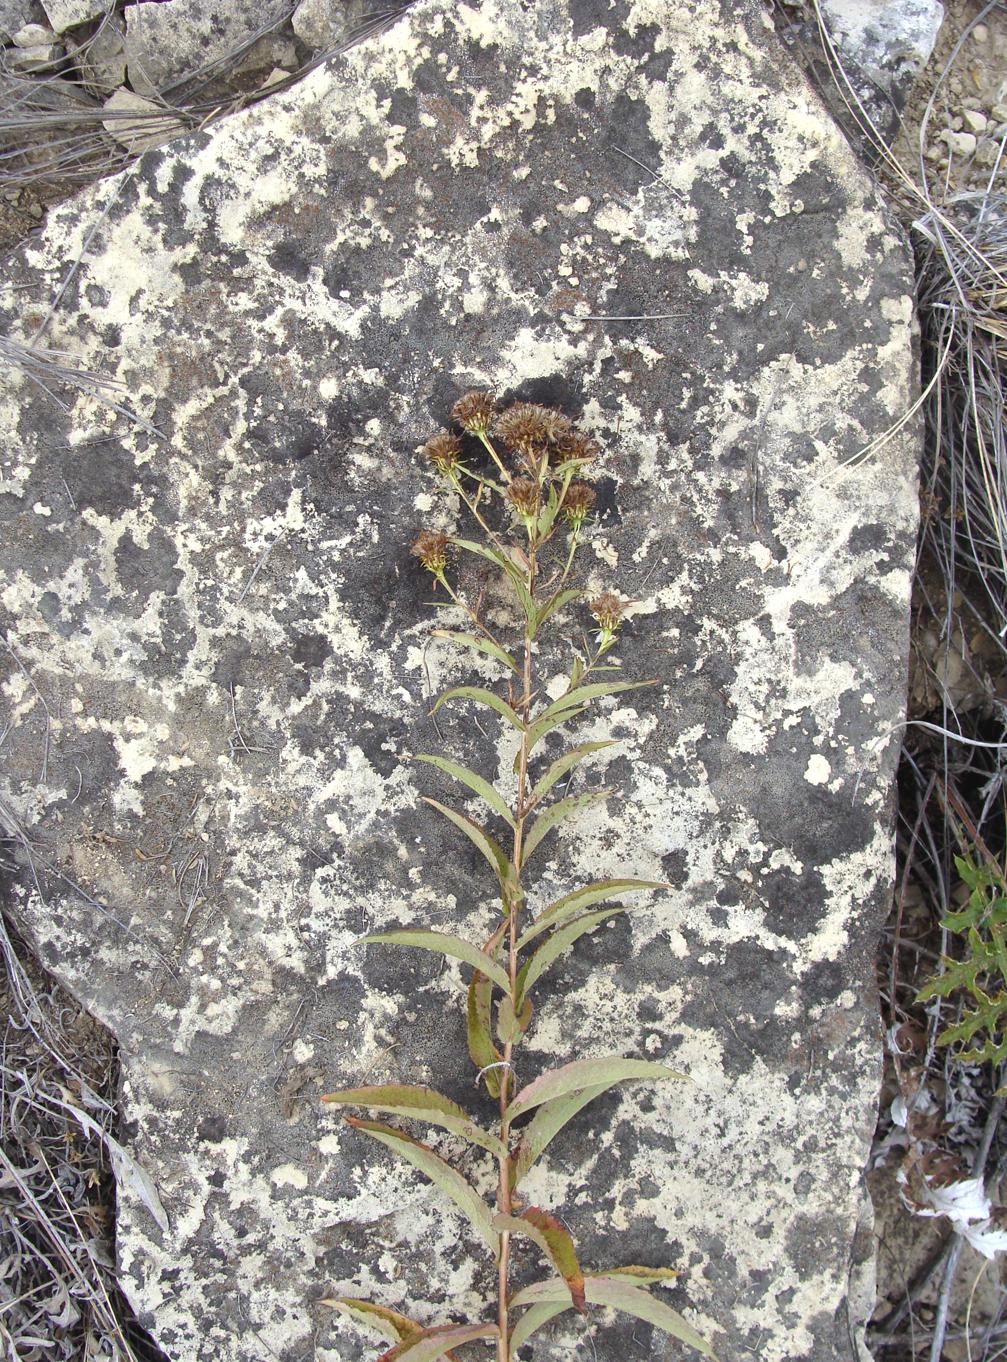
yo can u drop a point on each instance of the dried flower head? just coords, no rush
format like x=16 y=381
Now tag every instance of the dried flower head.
x=577 y=503
x=530 y=429
x=444 y=451
x=574 y=446
x=475 y=412
x=431 y=548
x=523 y=494
x=607 y=610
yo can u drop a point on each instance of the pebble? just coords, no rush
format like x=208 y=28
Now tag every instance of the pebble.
x=33 y=35
x=980 y=34
x=999 y=111
x=977 y=121
x=987 y=151
x=960 y=143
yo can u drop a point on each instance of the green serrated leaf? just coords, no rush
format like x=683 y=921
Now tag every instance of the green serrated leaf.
x=480 y=645
x=475 y=782
x=621 y=1296
x=585 y=1073
x=431 y=1165
x=489 y=847
x=547 y=1122
x=421 y=1104
x=389 y=1323
x=435 y=1343
x=555 y=813
x=561 y=940
x=567 y=762
x=555 y=1241
x=444 y=944
x=585 y=694
x=596 y=892
x=480 y=696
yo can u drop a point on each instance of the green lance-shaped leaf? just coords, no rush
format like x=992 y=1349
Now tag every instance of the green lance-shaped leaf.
x=585 y=1073
x=421 y=1104
x=512 y=1025
x=444 y=944
x=596 y=892
x=555 y=1241
x=561 y=940
x=543 y=725
x=435 y=1343
x=421 y=1156
x=555 y=813
x=475 y=782
x=554 y=603
x=479 y=1019
x=532 y=1320
x=482 y=841
x=481 y=697
x=620 y=1295
x=480 y=645
x=547 y=1122
x=566 y=763
x=388 y=1323
x=582 y=695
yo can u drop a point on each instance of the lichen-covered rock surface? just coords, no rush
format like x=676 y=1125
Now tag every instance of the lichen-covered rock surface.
x=638 y=212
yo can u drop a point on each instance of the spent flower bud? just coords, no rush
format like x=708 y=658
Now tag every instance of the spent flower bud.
x=577 y=503
x=444 y=451
x=431 y=548
x=530 y=429
x=574 y=446
x=607 y=610
x=474 y=412
x=523 y=495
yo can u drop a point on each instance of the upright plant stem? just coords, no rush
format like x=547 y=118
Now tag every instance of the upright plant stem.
x=520 y=812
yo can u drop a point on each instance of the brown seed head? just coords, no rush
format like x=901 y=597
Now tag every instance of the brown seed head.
x=522 y=494
x=607 y=610
x=444 y=451
x=431 y=549
x=577 y=503
x=530 y=429
x=574 y=445
x=475 y=412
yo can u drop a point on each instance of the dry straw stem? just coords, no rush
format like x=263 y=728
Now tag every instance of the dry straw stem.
x=532 y=544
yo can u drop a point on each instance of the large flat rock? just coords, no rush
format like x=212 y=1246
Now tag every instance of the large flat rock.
x=231 y=642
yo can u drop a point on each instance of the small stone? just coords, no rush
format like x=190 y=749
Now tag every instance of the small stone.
x=323 y=24
x=976 y=121
x=999 y=112
x=140 y=133
x=960 y=143
x=275 y=76
x=980 y=34
x=171 y=40
x=987 y=151
x=33 y=35
x=33 y=58
x=267 y=53
x=64 y=14
x=14 y=14
x=103 y=60
x=957 y=123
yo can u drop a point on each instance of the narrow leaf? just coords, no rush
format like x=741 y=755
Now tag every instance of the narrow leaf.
x=566 y=763
x=555 y=813
x=475 y=782
x=481 y=697
x=600 y=1290
x=480 y=645
x=639 y=1276
x=482 y=1051
x=421 y=1156
x=421 y=1104
x=388 y=1323
x=555 y=603
x=584 y=694
x=434 y=1343
x=532 y=1320
x=445 y=944
x=555 y=1241
x=585 y=1073
x=481 y=839
x=547 y=1122
x=561 y=940
x=596 y=892
x=541 y=726
x=508 y=1030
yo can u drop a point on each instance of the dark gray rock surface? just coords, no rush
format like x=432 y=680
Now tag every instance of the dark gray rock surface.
x=233 y=648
